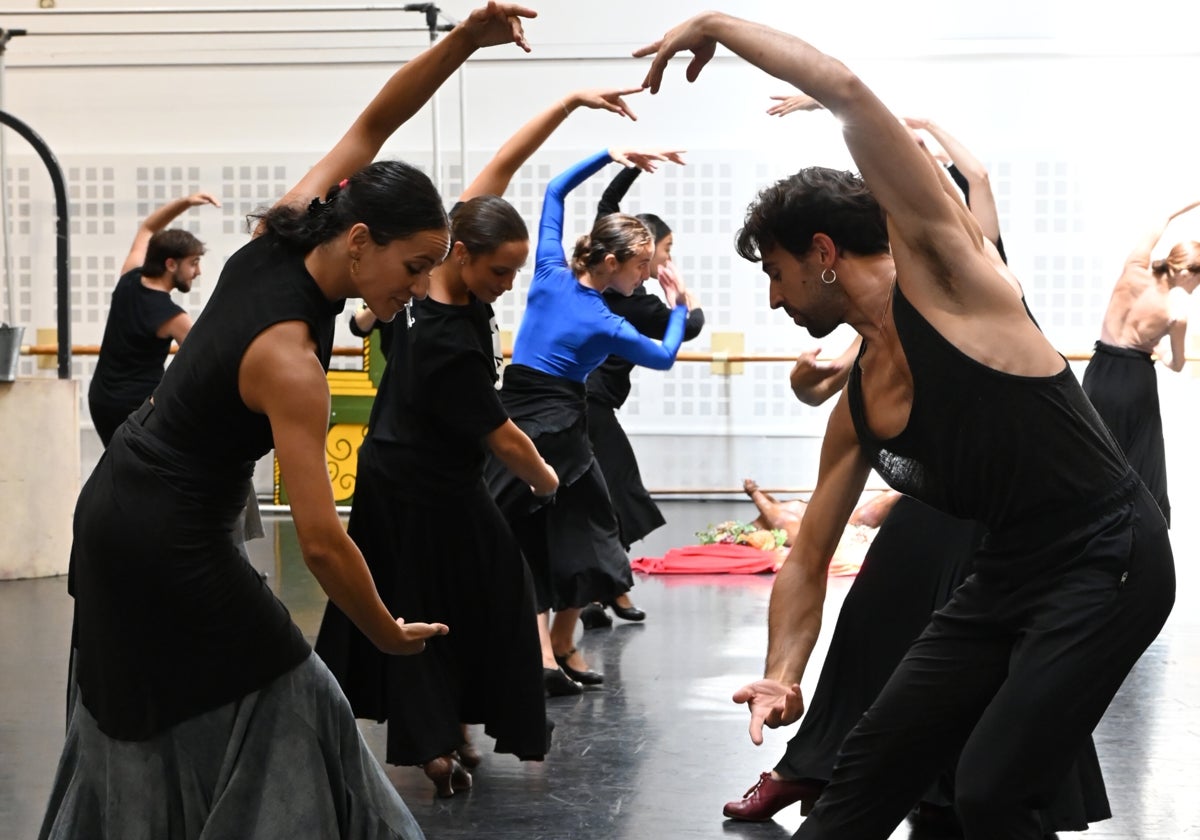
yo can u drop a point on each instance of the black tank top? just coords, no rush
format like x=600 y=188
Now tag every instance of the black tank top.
x=171 y=621
x=197 y=405
x=987 y=445
x=437 y=400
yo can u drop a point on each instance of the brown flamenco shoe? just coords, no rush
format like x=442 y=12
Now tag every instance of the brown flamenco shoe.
x=769 y=796
x=447 y=775
x=468 y=756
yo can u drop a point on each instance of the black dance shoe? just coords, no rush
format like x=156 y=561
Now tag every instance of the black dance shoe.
x=593 y=617
x=630 y=613
x=558 y=684
x=584 y=677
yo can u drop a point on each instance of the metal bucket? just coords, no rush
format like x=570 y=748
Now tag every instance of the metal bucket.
x=10 y=352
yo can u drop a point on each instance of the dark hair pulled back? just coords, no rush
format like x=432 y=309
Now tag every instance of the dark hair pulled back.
x=618 y=234
x=484 y=223
x=395 y=200
x=657 y=227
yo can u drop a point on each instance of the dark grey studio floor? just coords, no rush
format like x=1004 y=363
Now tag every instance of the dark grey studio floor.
x=655 y=754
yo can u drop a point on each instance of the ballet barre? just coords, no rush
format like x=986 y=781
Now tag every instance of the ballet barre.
x=684 y=356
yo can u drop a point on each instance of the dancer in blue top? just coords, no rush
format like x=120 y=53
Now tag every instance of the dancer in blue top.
x=568 y=330
x=573 y=547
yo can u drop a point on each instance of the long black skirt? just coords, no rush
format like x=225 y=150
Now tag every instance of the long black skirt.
x=573 y=545
x=451 y=559
x=637 y=514
x=916 y=561
x=1123 y=386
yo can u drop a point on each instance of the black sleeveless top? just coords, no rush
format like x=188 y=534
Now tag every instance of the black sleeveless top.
x=197 y=405
x=437 y=399
x=170 y=620
x=987 y=445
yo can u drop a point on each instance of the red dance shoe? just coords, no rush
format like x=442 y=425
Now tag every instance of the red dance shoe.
x=770 y=795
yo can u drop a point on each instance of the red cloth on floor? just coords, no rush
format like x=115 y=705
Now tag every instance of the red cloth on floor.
x=713 y=559
x=729 y=559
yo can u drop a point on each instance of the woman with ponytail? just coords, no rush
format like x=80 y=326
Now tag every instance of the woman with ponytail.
x=573 y=546
x=608 y=387
x=1147 y=314
x=420 y=478
x=200 y=710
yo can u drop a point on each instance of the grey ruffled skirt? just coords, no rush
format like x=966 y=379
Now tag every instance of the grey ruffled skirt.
x=286 y=761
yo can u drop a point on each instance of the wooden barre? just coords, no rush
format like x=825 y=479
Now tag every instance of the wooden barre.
x=708 y=358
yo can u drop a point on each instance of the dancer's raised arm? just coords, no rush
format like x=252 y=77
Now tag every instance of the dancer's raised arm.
x=407 y=91
x=499 y=171
x=927 y=227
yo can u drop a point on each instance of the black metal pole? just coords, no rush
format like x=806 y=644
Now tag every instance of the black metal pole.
x=62 y=245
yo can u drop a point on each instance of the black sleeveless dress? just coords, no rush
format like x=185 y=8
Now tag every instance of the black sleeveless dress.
x=200 y=707
x=1073 y=581
x=439 y=550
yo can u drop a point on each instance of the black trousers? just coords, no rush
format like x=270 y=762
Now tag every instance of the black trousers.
x=1015 y=672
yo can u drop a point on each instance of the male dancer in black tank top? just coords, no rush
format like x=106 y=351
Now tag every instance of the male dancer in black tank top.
x=143 y=319
x=959 y=400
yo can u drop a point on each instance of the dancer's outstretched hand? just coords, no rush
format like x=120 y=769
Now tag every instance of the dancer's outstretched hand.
x=412 y=636
x=771 y=702
x=810 y=373
x=498 y=23
x=795 y=102
x=645 y=159
x=196 y=199
x=690 y=36
x=605 y=99
x=671 y=283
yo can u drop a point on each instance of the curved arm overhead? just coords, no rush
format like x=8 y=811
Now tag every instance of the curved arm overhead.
x=62 y=248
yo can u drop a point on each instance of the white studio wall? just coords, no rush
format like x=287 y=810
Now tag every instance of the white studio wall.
x=1081 y=125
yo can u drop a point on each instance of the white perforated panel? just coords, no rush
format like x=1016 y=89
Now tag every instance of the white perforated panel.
x=691 y=427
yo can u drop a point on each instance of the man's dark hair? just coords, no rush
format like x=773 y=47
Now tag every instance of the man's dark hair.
x=814 y=200
x=173 y=244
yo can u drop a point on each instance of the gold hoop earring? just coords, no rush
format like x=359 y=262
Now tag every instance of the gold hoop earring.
x=354 y=267
x=831 y=280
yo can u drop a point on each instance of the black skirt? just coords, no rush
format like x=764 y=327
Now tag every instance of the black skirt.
x=637 y=514
x=170 y=619
x=452 y=559
x=572 y=545
x=1123 y=386
x=916 y=561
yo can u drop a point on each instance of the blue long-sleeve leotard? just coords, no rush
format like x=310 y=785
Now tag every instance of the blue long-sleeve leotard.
x=568 y=330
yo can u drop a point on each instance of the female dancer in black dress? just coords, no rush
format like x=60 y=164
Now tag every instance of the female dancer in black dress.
x=433 y=538
x=608 y=387
x=200 y=709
